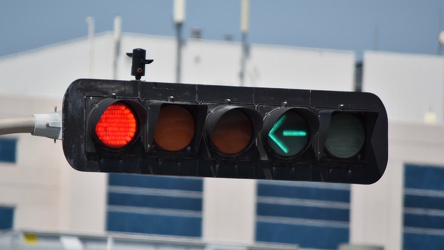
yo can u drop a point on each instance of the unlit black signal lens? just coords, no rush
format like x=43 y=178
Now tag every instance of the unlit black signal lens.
x=175 y=128
x=346 y=135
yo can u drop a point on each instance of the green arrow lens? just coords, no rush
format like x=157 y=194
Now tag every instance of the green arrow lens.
x=289 y=135
x=346 y=135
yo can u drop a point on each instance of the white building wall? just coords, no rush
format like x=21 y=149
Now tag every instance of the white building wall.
x=229 y=211
x=31 y=184
x=82 y=199
x=50 y=195
x=63 y=199
x=377 y=211
x=409 y=85
x=46 y=192
x=300 y=68
x=50 y=70
x=211 y=62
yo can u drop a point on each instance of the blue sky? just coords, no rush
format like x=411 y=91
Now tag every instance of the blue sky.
x=409 y=26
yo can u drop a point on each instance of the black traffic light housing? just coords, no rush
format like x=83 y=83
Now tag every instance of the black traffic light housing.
x=229 y=132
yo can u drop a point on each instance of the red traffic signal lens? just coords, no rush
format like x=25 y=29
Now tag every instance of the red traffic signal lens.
x=117 y=126
x=175 y=128
x=233 y=132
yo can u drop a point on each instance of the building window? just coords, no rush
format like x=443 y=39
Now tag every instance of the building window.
x=423 y=207
x=155 y=205
x=308 y=214
x=6 y=217
x=8 y=149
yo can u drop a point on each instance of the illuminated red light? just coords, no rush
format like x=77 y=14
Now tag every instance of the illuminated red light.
x=117 y=126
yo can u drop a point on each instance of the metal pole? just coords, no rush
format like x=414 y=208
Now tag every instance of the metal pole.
x=244 y=30
x=117 y=36
x=17 y=125
x=179 y=19
x=243 y=58
x=179 y=52
x=90 y=22
x=46 y=125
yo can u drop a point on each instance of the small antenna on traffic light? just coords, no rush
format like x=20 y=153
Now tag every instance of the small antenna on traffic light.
x=139 y=61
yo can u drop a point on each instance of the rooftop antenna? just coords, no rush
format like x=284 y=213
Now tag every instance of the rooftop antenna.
x=441 y=33
x=244 y=31
x=90 y=22
x=117 y=38
x=179 y=19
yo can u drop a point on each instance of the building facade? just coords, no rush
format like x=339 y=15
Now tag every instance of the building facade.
x=404 y=210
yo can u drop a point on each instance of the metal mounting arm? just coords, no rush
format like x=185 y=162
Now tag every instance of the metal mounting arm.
x=46 y=125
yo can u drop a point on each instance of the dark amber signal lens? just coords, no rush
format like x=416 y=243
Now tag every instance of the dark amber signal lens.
x=232 y=133
x=175 y=128
x=117 y=126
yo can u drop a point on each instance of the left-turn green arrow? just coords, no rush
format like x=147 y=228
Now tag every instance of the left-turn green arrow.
x=288 y=135
x=275 y=138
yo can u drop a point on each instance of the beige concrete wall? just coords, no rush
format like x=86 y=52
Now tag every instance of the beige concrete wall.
x=377 y=210
x=46 y=192
x=410 y=85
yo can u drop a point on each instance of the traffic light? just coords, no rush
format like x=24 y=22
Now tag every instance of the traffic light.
x=228 y=132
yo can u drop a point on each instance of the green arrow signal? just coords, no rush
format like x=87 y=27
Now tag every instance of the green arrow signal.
x=286 y=133
x=272 y=135
x=294 y=133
